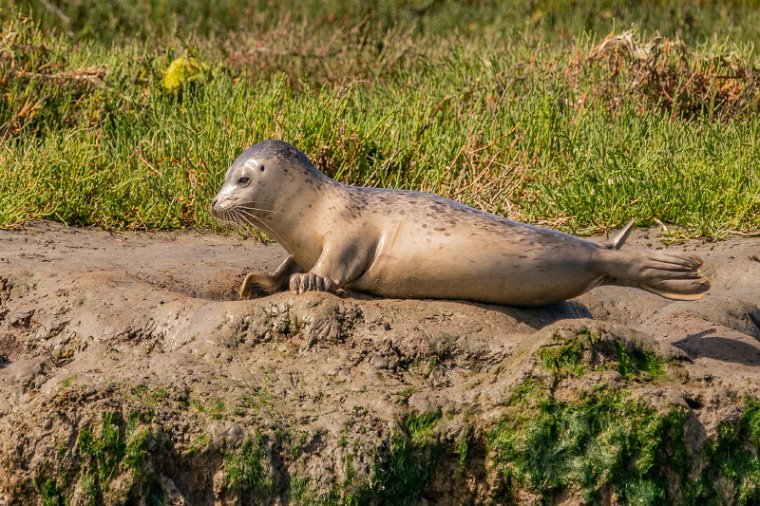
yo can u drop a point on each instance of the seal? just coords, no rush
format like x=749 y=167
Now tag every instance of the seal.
x=406 y=244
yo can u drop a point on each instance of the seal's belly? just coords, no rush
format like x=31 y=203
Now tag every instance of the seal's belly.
x=525 y=268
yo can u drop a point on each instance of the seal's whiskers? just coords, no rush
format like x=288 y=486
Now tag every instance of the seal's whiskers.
x=251 y=208
x=257 y=223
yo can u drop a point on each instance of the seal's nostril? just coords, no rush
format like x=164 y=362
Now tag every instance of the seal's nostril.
x=213 y=203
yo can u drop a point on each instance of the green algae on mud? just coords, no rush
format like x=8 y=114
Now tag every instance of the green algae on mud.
x=245 y=473
x=411 y=463
x=575 y=425
x=100 y=455
x=595 y=440
x=591 y=351
x=121 y=445
x=602 y=442
x=598 y=443
x=732 y=470
x=400 y=474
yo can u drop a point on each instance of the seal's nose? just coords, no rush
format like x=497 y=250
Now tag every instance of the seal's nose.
x=213 y=203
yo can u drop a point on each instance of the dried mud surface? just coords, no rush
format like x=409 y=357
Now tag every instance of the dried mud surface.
x=141 y=332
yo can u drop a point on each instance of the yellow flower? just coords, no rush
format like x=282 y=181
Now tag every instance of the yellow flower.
x=182 y=70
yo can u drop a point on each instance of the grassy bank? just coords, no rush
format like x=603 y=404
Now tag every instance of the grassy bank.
x=533 y=110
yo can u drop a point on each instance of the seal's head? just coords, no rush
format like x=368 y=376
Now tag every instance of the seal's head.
x=254 y=183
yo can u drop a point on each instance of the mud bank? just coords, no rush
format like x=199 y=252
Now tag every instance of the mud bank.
x=129 y=374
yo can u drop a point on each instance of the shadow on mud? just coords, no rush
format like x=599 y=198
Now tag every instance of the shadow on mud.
x=705 y=344
x=535 y=317
x=539 y=317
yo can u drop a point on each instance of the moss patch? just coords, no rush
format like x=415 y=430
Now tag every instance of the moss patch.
x=119 y=445
x=600 y=442
x=732 y=471
x=414 y=452
x=589 y=441
x=634 y=362
x=400 y=474
x=246 y=470
x=587 y=350
x=601 y=439
x=566 y=359
x=48 y=492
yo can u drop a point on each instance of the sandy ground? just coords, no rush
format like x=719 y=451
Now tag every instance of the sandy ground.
x=87 y=314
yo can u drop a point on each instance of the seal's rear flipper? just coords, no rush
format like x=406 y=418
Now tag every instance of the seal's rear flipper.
x=617 y=240
x=698 y=289
x=673 y=275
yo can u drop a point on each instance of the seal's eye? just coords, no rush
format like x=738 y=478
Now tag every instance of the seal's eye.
x=244 y=180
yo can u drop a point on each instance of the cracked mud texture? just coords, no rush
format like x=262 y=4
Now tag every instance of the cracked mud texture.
x=129 y=374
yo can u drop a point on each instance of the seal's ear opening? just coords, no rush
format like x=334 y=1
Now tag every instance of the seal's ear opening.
x=261 y=168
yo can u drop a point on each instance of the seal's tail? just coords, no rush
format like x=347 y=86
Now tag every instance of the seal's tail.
x=672 y=275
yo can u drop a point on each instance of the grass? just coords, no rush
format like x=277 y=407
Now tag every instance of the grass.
x=518 y=108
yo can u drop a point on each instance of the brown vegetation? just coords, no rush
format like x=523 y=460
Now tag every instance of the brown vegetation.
x=666 y=73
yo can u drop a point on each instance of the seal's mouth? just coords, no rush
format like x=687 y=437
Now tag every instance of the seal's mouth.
x=228 y=215
x=240 y=215
x=223 y=212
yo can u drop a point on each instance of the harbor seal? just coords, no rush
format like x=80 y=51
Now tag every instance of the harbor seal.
x=406 y=244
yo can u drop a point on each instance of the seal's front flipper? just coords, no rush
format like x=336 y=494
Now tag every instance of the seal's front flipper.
x=257 y=285
x=310 y=282
x=336 y=267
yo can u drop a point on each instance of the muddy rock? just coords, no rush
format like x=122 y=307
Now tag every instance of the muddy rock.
x=129 y=374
